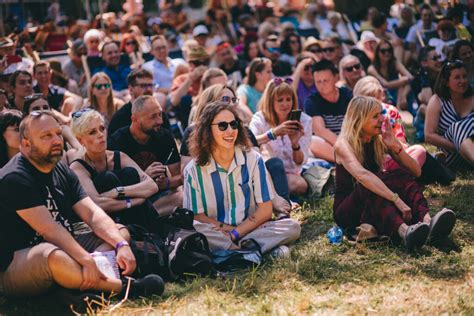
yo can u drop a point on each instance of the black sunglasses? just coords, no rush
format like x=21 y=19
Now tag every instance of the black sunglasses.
x=436 y=58
x=198 y=63
x=316 y=50
x=352 y=68
x=329 y=49
x=224 y=125
x=386 y=50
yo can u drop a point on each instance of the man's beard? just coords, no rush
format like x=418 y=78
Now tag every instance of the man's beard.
x=150 y=131
x=45 y=159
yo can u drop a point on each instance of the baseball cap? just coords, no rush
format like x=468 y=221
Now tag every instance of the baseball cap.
x=200 y=30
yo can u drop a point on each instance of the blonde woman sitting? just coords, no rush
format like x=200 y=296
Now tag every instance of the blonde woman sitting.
x=391 y=201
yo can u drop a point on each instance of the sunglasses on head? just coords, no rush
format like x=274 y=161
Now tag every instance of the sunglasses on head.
x=100 y=86
x=224 y=125
x=386 y=50
x=227 y=99
x=34 y=96
x=198 y=63
x=79 y=113
x=278 y=81
x=328 y=49
x=352 y=68
x=453 y=64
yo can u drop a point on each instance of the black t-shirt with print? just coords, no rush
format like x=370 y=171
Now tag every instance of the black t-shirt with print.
x=22 y=186
x=161 y=147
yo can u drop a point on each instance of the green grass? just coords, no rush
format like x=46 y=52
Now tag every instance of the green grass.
x=322 y=278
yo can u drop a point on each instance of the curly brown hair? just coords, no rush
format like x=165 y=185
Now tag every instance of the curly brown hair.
x=201 y=140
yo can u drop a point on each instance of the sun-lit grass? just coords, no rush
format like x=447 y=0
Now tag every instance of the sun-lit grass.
x=322 y=278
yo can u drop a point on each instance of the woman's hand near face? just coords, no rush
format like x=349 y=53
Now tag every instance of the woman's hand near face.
x=389 y=139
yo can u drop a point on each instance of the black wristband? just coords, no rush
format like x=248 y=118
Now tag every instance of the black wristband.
x=297 y=148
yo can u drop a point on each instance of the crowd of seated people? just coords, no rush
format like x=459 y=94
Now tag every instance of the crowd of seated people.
x=224 y=119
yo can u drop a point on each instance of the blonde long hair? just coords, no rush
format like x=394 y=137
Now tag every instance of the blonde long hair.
x=360 y=109
x=271 y=92
x=110 y=99
x=209 y=95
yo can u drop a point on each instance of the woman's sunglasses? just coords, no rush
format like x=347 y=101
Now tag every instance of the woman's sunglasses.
x=352 y=68
x=232 y=100
x=278 y=81
x=79 y=113
x=328 y=49
x=386 y=50
x=224 y=125
x=100 y=86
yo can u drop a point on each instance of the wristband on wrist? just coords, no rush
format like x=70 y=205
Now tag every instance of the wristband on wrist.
x=235 y=234
x=167 y=183
x=129 y=202
x=270 y=135
x=394 y=197
x=121 y=244
x=296 y=148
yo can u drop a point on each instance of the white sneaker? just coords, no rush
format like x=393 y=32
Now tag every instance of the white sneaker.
x=280 y=252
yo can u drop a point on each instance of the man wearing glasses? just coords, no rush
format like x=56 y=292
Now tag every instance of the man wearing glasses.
x=140 y=82
x=271 y=50
x=39 y=245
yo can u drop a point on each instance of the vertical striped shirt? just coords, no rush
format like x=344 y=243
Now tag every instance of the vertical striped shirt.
x=228 y=196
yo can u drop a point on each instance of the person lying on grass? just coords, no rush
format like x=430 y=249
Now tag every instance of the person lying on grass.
x=391 y=201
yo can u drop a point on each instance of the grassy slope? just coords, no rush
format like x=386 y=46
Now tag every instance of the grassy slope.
x=323 y=278
x=320 y=278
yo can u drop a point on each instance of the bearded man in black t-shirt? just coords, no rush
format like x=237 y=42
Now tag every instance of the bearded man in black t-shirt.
x=40 y=201
x=154 y=149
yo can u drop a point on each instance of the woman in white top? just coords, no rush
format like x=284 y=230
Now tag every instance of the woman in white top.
x=281 y=137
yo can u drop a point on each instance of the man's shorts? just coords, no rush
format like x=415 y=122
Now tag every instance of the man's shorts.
x=29 y=274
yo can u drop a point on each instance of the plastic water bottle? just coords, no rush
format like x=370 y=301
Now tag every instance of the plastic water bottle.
x=335 y=235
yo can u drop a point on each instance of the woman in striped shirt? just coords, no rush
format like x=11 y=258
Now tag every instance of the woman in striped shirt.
x=449 y=122
x=227 y=186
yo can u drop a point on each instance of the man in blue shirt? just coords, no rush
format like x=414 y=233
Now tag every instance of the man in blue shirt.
x=117 y=72
x=161 y=67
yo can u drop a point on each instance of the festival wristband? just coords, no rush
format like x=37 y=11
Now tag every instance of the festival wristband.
x=129 y=202
x=235 y=234
x=270 y=135
x=167 y=183
x=296 y=148
x=121 y=244
x=394 y=197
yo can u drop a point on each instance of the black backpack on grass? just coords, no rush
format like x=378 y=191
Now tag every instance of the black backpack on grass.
x=172 y=252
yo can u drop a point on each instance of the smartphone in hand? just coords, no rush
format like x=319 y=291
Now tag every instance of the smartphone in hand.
x=295 y=115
